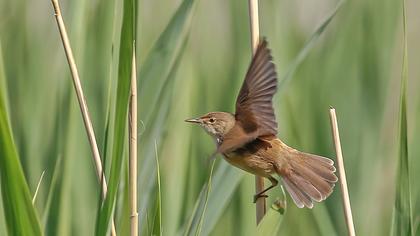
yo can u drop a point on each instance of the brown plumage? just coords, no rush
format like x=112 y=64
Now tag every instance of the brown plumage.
x=248 y=139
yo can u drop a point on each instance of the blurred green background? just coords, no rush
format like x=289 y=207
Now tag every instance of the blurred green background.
x=196 y=67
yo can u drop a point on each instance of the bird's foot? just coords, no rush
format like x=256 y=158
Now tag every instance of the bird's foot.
x=256 y=196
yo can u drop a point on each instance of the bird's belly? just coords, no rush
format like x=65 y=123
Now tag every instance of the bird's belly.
x=251 y=163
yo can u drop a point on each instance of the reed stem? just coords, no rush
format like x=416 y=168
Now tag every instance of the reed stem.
x=82 y=101
x=133 y=149
x=342 y=174
x=255 y=36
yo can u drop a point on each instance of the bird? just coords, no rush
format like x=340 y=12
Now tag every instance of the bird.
x=248 y=138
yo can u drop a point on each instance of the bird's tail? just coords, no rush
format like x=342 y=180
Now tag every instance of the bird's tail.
x=308 y=178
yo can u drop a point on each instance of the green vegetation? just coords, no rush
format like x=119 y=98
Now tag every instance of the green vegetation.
x=192 y=57
x=127 y=40
x=19 y=212
x=402 y=219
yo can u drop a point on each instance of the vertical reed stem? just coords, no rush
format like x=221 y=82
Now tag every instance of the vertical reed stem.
x=342 y=174
x=82 y=101
x=133 y=149
x=255 y=36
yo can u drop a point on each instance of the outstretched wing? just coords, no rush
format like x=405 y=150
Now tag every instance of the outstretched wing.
x=254 y=106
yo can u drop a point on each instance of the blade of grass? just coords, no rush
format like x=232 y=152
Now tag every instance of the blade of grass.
x=158 y=75
x=195 y=224
x=3 y=87
x=157 y=68
x=3 y=92
x=20 y=214
x=402 y=216
x=123 y=202
x=121 y=109
x=147 y=178
x=37 y=187
x=309 y=44
x=226 y=179
x=271 y=222
x=56 y=205
x=157 y=226
x=208 y=190
x=193 y=221
x=324 y=221
x=55 y=199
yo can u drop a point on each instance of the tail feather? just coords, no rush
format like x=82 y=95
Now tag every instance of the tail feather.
x=305 y=172
x=326 y=173
x=325 y=170
x=292 y=190
x=309 y=188
x=308 y=178
x=300 y=198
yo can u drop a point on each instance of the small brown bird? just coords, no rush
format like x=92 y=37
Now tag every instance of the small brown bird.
x=247 y=139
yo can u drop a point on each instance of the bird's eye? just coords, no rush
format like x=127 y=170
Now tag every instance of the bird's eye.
x=211 y=120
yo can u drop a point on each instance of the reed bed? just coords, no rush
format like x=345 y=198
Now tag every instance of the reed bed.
x=191 y=57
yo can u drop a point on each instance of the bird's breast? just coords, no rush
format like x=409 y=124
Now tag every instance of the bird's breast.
x=256 y=165
x=259 y=158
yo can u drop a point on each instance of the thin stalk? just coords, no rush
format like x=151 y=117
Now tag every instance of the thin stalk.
x=133 y=150
x=255 y=36
x=37 y=187
x=159 y=197
x=342 y=174
x=200 y=224
x=82 y=101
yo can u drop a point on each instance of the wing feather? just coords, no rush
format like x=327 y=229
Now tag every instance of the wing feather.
x=254 y=106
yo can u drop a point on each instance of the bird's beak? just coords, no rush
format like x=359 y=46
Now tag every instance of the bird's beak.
x=194 y=120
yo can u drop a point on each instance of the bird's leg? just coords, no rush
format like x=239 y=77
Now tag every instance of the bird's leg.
x=274 y=183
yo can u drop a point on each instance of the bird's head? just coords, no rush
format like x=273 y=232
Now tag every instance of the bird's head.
x=217 y=124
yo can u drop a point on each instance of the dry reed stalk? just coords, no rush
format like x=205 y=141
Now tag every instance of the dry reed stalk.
x=133 y=150
x=255 y=36
x=342 y=174
x=82 y=101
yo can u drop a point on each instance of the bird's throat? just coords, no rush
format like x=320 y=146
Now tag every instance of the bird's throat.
x=219 y=141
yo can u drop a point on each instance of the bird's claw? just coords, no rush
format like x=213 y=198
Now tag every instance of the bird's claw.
x=256 y=196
